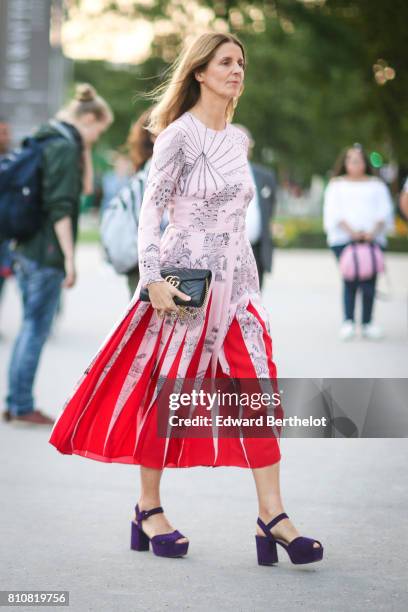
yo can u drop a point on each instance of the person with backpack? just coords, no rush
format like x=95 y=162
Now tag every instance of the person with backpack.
x=60 y=153
x=120 y=217
x=357 y=214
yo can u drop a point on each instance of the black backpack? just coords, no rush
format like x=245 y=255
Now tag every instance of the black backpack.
x=20 y=187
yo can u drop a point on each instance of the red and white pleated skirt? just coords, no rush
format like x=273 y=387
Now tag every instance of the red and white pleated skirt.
x=89 y=426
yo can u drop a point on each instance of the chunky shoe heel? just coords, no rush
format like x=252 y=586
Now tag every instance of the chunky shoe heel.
x=163 y=545
x=300 y=550
x=266 y=550
x=138 y=540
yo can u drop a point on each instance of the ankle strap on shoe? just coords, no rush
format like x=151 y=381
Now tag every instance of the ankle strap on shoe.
x=266 y=528
x=141 y=515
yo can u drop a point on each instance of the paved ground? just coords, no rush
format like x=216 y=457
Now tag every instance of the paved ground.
x=66 y=520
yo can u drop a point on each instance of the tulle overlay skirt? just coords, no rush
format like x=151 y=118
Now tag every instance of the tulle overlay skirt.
x=112 y=414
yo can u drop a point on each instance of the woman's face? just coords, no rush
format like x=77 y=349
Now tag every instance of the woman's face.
x=354 y=163
x=224 y=74
x=91 y=128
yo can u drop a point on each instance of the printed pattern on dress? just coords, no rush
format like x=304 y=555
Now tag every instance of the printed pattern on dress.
x=167 y=164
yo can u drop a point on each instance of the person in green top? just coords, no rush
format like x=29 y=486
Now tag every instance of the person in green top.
x=45 y=263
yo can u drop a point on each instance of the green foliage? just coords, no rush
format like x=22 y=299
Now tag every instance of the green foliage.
x=309 y=86
x=306 y=233
x=299 y=106
x=121 y=86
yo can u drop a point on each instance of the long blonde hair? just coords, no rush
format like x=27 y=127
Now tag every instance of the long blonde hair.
x=86 y=100
x=181 y=90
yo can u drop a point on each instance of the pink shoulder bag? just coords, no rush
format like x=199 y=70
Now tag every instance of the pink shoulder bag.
x=361 y=261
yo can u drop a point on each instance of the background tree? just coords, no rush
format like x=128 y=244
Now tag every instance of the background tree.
x=321 y=75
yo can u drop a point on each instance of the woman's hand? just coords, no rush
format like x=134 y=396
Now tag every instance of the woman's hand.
x=378 y=227
x=354 y=235
x=70 y=273
x=161 y=297
x=368 y=236
x=357 y=236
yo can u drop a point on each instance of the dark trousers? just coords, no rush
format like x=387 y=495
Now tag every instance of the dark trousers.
x=256 y=247
x=350 y=289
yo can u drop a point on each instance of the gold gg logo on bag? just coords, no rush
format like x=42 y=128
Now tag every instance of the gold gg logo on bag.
x=173 y=280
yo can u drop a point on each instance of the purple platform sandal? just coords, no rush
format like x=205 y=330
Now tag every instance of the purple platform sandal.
x=300 y=550
x=163 y=545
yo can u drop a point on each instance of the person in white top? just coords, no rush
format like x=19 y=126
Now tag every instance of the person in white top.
x=357 y=207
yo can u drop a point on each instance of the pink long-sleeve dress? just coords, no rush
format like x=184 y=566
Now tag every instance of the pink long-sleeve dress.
x=203 y=178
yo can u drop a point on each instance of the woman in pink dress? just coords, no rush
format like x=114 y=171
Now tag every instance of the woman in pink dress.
x=199 y=172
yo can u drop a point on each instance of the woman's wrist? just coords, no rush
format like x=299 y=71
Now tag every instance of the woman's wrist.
x=149 y=282
x=153 y=283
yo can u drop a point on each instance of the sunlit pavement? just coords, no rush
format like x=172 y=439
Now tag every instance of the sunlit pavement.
x=66 y=520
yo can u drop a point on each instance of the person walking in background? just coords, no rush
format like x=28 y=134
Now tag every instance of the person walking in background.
x=139 y=145
x=115 y=179
x=357 y=207
x=260 y=211
x=42 y=262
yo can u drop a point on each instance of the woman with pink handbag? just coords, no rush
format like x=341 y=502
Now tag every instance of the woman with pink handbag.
x=358 y=212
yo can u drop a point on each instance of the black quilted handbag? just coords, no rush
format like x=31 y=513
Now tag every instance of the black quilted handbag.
x=191 y=281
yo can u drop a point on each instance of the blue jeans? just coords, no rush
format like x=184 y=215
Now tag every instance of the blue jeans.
x=350 y=289
x=40 y=288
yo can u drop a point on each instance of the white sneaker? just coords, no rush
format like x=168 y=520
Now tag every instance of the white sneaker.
x=371 y=331
x=348 y=330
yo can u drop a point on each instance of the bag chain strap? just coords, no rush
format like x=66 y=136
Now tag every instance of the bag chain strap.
x=188 y=312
